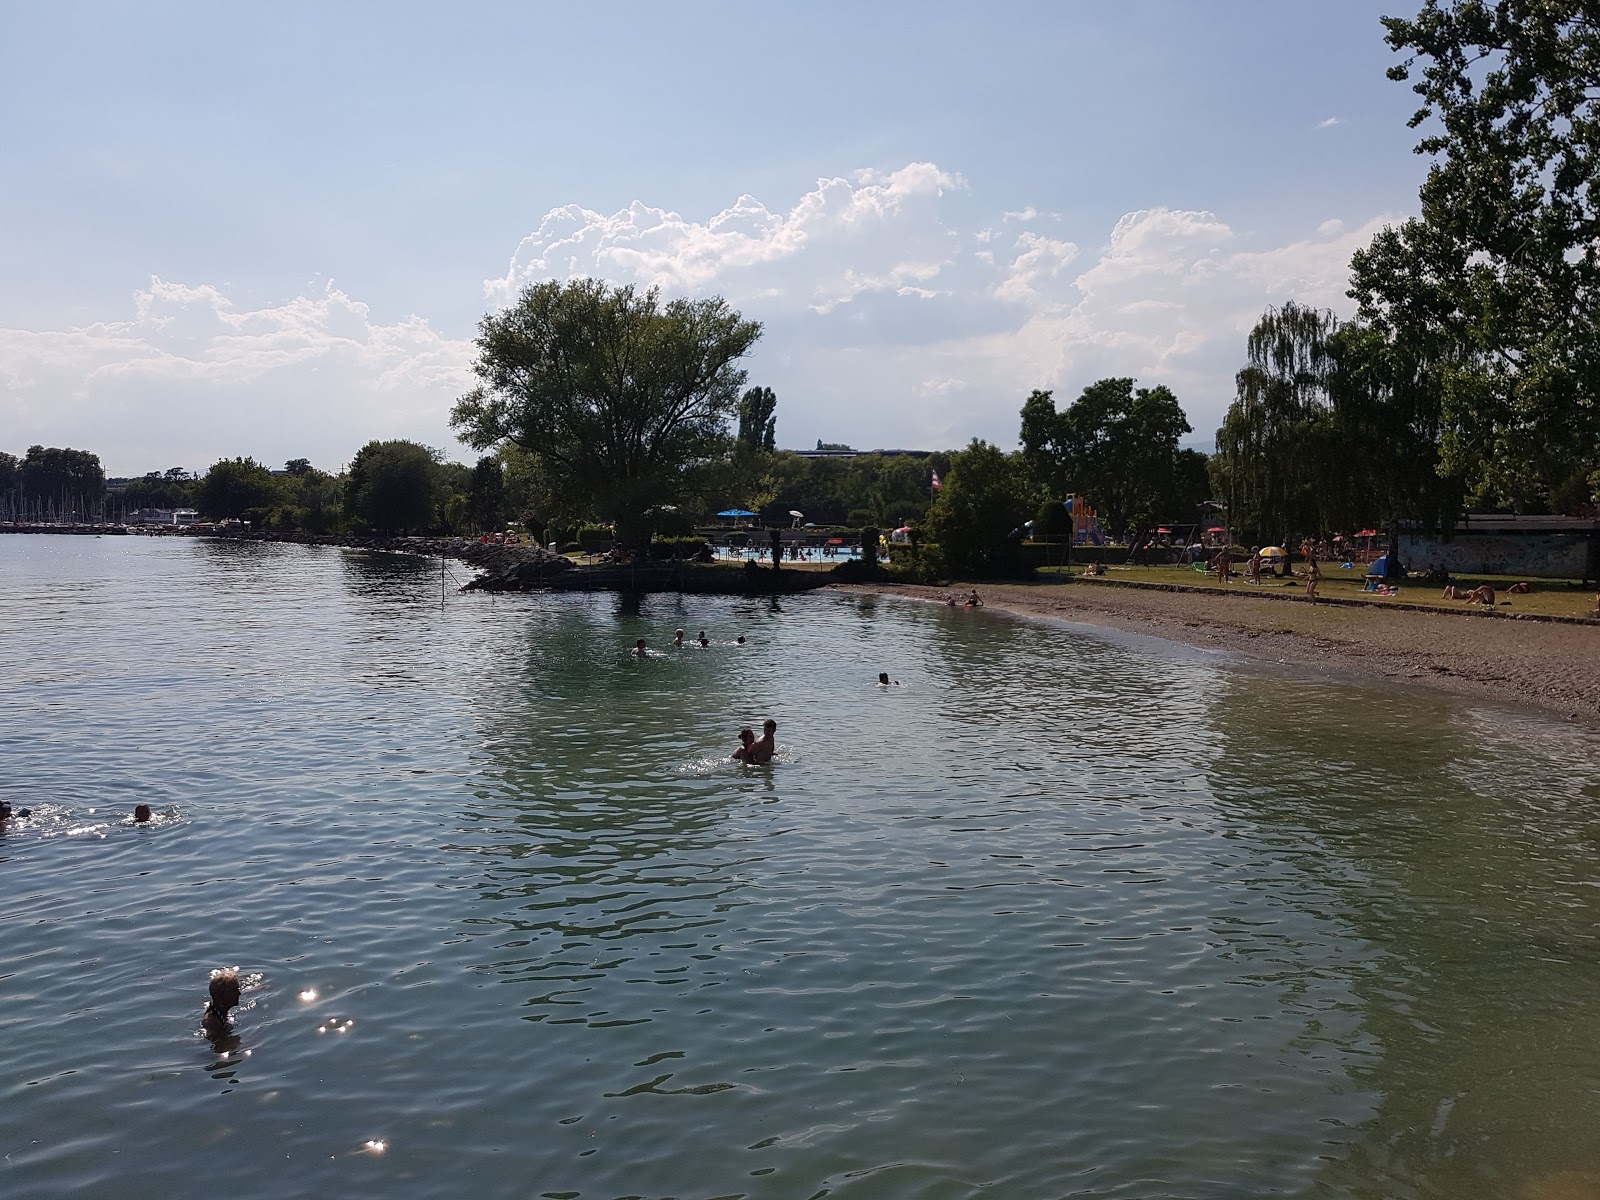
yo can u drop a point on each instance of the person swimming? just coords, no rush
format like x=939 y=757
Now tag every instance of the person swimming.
x=740 y=639
x=765 y=747
x=141 y=814
x=703 y=640
x=677 y=638
x=7 y=812
x=638 y=650
x=747 y=740
x=885 y=681
x=224 y=991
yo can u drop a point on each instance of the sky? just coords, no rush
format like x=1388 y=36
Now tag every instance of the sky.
x=272 y=230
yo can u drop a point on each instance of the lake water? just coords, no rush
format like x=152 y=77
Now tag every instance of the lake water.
x=1061 y=915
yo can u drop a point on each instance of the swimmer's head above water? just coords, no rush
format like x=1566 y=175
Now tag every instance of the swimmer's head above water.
x=224 y=997
x=141 y=813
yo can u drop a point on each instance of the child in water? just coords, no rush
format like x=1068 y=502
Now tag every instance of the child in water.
x=224 y=998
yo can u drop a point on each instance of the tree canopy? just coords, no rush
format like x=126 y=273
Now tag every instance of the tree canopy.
x=622 y=402
x=55 y=475
x=758 y=421
x=233 y=486
x=1496 y=285
x=1115 y=445
x=984 y=500
x=392 y=486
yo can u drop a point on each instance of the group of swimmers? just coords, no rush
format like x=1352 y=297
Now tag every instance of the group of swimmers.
x=641 y=650
x=141 y=813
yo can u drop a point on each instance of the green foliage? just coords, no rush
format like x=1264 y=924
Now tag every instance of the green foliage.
x=1496 y=286
x=1052 y=520
x=234 y=485
x=1115 y=446
x=596 y=537
x=622 y=403
x=758 y=422
x=316 y=498
x=10 y=472
x=1334 y=426
x=394 y=487
x=887 y=489
x=976 y=522
x=677 y=548
x=158 y=489
x=55 y=475
x=486 y=494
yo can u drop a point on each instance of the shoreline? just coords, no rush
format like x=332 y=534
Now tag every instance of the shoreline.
x=1550 y=666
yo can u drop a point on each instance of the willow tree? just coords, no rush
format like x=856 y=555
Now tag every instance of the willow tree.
x=623 y=404
x=1275 y=447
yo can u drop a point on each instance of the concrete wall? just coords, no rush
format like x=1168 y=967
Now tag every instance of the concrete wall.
x=1536 y=555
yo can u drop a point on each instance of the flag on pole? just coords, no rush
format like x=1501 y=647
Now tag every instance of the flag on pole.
x=936 y=481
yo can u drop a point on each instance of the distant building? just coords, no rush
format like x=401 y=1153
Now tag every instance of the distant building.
x=163 y=516
x=839 y=450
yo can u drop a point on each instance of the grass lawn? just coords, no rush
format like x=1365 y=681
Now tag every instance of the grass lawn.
x=1553 y=596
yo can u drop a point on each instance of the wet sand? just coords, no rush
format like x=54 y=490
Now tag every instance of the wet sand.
x=1554 y=667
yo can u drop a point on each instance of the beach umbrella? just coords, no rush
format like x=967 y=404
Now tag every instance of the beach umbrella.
x=1162 y=529
x=1216 y=529
x=1368 y=533
x=736 y=512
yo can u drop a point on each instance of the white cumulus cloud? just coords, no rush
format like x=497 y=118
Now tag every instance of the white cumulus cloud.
x=894 y=315
x=187 y=376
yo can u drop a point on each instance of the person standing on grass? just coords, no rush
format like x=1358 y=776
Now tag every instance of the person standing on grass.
x=1224 y=564
x=1313 y=577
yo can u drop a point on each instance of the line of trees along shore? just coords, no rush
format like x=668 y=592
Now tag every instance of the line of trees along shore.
x=1468 y=379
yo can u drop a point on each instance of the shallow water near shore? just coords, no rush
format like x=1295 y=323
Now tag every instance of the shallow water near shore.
x=1058 y=915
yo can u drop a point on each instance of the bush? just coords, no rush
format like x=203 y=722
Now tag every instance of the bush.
x=678 y=548
x=1052 y=520
x=596 y=537
x=671 y=523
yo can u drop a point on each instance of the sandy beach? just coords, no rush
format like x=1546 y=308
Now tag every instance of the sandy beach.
x=1554 y=667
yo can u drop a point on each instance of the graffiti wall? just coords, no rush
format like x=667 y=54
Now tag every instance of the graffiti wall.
x=1536 y=555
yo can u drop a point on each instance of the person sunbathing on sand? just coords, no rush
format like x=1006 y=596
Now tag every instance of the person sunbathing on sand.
x=1482 y=594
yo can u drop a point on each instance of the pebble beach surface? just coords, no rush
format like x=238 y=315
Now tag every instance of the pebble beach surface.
x=1554 y=667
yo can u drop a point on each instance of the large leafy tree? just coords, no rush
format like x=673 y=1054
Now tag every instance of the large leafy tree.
x=986 y=497
x=233 y=486
x=1116 y=445
x=1499 y=277
x=394 y=486
x=55 y=476
x=624 y=403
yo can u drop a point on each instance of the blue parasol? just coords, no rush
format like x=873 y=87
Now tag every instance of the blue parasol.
x=736 y=512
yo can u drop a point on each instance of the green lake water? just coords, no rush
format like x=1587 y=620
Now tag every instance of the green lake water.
x=1065 y=914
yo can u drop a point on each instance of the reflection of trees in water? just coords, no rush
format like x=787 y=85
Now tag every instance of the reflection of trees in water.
x=601 y=877
x=1479 y=909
